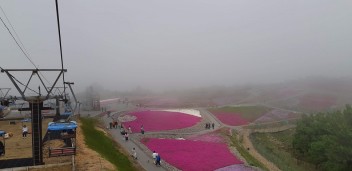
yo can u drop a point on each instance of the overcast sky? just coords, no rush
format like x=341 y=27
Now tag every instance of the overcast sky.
x=158 y=44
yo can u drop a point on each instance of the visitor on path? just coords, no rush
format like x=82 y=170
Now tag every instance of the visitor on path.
x=115 y=124
x=129 y=129
x=24 y=131
x=123 y=132
x=213 y=125
x=110 y=124
x=157 y=160
x=126 y=136
x=142 y=129
x=207 y=125
x=154 y=156
x=134 y=153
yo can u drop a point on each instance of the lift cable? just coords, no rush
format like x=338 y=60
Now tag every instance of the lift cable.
x=22 y=47
x=62 y=60
x=17 y=42
x=18 y=37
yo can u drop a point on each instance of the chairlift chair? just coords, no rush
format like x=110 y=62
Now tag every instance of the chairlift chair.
x=63 y=126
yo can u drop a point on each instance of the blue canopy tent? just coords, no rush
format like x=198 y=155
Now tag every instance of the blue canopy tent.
x=2 y=143
x=65 y=131
x=62 y=130
x=62 y=126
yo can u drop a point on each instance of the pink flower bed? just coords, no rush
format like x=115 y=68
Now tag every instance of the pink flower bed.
x=276 y=115
x=232 y=119
x=237 y=167
x=208 y=137
x=317 y=101
x=190 y=155
x=160 y=120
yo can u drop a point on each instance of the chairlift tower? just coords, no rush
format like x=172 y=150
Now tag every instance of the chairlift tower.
x=59 y=97
x=73 y=94
x=2 y=94
x=36 y=106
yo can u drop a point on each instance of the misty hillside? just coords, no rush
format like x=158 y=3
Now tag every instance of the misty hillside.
x=306 y=95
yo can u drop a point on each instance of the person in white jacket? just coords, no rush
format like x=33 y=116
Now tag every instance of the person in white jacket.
x=134 y=153
x=154 y=156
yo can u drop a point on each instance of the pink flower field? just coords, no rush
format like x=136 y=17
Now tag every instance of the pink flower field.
x=208 y=137
x=190 y=155
x=277 y=115
x=161 y=120
x=236 y=167
x=317 y=101
x=232 y=119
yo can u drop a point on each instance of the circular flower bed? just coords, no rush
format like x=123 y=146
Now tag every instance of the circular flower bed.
x=160 y=120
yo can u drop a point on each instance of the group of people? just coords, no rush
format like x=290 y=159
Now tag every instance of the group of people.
x=208 y=125
x=129 y=130
x=113 y=124
x=156 y=157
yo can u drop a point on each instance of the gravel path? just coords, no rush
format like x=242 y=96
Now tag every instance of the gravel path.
x=248 y=144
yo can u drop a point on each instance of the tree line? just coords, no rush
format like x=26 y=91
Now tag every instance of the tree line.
x=325 y=140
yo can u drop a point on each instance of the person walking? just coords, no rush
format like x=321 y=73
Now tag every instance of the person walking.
x=126 y=136
x=154 y=156
x=24 y=131
x=157 y=160
x=134 y=153
x=213 y=125
x=129 y=130
x=142 y=129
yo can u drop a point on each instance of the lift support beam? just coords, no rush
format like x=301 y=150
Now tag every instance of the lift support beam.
x=36 y=106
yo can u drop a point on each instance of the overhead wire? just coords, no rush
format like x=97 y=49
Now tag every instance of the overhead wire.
x=22 y=47
x=18 y=37
x=16 y=42
x=62 y=60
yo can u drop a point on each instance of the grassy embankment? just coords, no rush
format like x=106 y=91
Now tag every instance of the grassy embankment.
x=104 y=145
x=277 y=148
x=245 y=154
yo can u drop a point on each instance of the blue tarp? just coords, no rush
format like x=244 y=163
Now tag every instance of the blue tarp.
x=2 y=132
x=26 y=120
x=66 y=113
x=59 y=126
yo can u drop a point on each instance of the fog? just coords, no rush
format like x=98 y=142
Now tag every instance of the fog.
x=161 y=45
